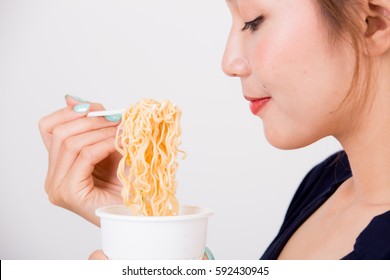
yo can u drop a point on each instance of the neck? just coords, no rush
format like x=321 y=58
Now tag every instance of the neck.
x=368 y=148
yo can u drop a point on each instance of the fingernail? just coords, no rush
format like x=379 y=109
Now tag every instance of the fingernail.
x=75 y=98
x=113 y=118
x=81 y=108
x=208 y=254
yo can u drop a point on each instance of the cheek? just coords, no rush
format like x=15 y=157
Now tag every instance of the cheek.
x=289 y=55
x=295 y=63
x=307 y=83
x=285 y=67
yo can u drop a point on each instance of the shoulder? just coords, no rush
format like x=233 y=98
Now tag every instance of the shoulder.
x=322 y=179
x=332 y=170
x=374 y=243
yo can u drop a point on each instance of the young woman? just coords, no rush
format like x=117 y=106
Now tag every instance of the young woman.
x=309 y=69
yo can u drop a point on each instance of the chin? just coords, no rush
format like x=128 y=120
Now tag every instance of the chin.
x=288 y=141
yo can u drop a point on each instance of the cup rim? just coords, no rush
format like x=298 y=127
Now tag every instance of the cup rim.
x=103 y=213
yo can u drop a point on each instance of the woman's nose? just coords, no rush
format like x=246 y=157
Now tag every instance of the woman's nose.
x=237 y=67
x=234 y=63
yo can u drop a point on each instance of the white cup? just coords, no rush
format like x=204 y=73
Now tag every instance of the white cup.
x=127 y=237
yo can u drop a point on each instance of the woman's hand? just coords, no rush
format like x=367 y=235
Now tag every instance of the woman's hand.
x=82 y=159
x=98 y=255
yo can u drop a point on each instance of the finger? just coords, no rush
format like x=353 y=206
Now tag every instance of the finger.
x=66 y=130
x=76 y=192
x=64 y=115
x=47 y=123
x=98 y=255
x=72 y=100
x=81 y=191
x=73 y=145
x=208 y=255
x=89 y=157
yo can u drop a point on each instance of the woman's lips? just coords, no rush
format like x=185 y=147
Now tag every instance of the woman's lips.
x=257 y=104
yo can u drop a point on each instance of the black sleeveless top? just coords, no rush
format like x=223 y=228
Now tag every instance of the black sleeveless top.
x=320 y=183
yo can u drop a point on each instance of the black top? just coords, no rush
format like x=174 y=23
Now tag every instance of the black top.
x=373 y=243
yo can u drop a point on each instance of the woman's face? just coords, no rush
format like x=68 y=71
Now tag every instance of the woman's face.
x=295 y=80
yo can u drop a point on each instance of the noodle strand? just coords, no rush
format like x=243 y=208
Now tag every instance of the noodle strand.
x=148 y=139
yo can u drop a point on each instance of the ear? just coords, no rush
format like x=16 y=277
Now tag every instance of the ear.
x=377 y=33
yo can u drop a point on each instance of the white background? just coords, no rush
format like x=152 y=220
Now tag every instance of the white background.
x=116 y=52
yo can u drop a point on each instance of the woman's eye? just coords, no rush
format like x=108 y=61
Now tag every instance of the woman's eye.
x=254 y=24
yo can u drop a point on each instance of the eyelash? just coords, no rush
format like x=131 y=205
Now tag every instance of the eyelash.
x=254 y=24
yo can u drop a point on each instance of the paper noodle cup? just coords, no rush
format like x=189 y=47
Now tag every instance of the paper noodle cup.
x=127 y=237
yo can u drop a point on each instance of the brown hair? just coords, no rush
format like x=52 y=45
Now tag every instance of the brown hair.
x=343 y=21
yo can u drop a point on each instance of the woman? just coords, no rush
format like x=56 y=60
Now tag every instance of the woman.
x=310 y=69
